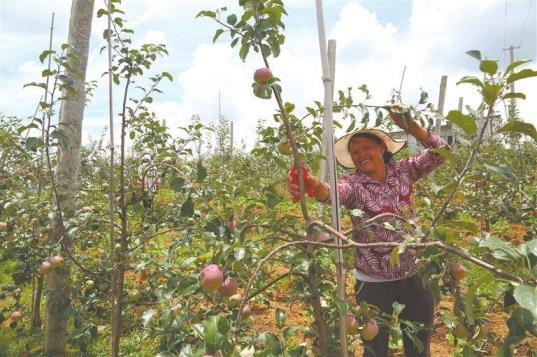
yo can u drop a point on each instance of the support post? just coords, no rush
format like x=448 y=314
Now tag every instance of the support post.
x=328 y=81
x=441 y=100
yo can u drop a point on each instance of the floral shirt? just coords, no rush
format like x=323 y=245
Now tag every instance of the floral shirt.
x=358 y=191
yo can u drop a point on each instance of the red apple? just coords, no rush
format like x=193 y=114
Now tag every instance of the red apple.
x=370 y=330
x=352 y=325
x=16 y=315
x=262 y=75
x=211 y=277
x=246 y=310
x=56 y=261
x=45 y=267
x=458 y=271
x=229 y=287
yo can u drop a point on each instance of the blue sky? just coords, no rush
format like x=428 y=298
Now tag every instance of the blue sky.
x=375 y=40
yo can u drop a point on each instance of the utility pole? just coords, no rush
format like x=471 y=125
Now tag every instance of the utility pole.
x=512 y=107
x=441 y=100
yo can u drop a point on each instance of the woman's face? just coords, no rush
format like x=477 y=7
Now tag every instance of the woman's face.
x=367 y=155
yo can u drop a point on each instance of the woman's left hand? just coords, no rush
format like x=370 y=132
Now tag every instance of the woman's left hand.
x=396 y=114
x=408 y=124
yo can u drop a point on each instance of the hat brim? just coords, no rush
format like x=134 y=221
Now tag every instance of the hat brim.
x=341 y=147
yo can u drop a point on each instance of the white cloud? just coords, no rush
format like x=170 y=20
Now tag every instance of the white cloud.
x=30 y=67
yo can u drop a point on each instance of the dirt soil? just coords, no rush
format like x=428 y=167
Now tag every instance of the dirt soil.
x=263 y=320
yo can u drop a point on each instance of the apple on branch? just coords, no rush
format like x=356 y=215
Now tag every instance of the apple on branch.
x=262 y=75
x=211 y=277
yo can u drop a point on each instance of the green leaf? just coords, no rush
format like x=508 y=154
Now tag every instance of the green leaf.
x=488 y=66
x=187 y=209
x=210 y=332
x=231 y=19
x=446 y=154
x=60 y=137
x=469 y=226
x=101 y=12
x=365 y=118
x=423 y=97
x=272 y=344
x=201 y=171
x=206 y=13
x=166 y=354
x=44 y=55
x=47 y=72
x=32 y=143
x=465 y=122
x=398 y=308
x=531 y=247
x=441 y=190
x=34 y=84
x=475 y=54
x=280 y=317
x=244 y=51
x=177 y=184
x=525 y=73
x=239 y=253
x=357 y=212
x=469 y=303
x=471 y=80
x=27 y=127
x=526 y=296
x=380 y=117
x=503 y=171
x=147 y=316
x=491 y=92
x=342 y=306
x=501 y=249
x=394 y=256
x=519 y=127
x=167 y=75
x=291 y=331
x=514 y=96
x=515 y=64
x=217 y=34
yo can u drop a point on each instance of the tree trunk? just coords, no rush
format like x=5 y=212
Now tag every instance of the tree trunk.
x=36 y=307
x=72 y=112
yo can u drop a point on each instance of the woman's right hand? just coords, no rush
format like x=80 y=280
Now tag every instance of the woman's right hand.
x=294 y=189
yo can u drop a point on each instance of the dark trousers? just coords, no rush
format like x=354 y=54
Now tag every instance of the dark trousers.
x=419 y=307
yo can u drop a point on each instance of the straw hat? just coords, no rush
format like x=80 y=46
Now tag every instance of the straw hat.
x=341 y=147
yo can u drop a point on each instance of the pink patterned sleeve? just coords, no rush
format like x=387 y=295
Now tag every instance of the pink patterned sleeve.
x=348 y=192
x=425 y=162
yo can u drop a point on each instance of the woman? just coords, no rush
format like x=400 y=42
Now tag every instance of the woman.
x=378 y=186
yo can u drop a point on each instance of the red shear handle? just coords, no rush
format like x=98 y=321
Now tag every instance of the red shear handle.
x=294 y=179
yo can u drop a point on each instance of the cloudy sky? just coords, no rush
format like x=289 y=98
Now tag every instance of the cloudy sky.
x=376 y=39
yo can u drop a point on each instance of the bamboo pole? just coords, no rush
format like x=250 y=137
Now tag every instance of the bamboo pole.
x=328 y=81
x=323 y=174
